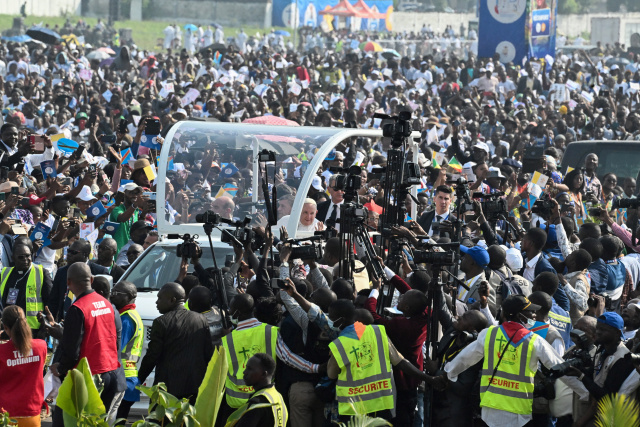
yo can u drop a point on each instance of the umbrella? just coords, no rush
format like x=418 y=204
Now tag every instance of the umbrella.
x=216 y=47
x=191 y=27
x=97 y=54
x=270 y=120
x=216 y=25
x=370 y=47
x=390 y=54
x=107 y=62
x=282 y=33
x=19 y=39
x=620 y=62
x=44 y=35
x=107 y=50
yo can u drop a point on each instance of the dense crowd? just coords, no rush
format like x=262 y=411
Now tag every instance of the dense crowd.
x=549 y=275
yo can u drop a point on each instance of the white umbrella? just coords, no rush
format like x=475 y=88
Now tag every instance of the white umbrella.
x=99 y=55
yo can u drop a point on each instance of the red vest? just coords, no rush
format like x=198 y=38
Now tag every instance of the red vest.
x=99 y=343
x=22 y=390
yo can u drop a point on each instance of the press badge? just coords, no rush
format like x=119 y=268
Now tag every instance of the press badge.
x=12 y=297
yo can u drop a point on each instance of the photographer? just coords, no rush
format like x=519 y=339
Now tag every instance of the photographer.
x=451 y=406
x=610 y=366
x=623 y=233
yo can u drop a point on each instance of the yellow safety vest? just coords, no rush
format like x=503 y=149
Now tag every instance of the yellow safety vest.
x=280 y=413
x=131 y=353
x=239 y=347
x=33 y=293
x=365 y=372
x=512 y=385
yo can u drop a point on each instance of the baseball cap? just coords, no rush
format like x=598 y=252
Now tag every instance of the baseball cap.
x=140 y=224
x=514 y=259
x=85 y=194
x=612 y=319
x=331 y=155
x=316 y=183
x=482 y=146
x=515 y=304
x=479 y=254
x=130 y=186
x=494 y=172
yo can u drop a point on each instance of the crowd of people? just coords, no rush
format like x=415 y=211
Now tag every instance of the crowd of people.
x=552 y=278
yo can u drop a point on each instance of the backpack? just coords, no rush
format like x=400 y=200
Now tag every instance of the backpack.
x=508 y=286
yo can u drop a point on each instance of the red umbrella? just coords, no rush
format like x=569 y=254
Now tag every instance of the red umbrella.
x=270 y=120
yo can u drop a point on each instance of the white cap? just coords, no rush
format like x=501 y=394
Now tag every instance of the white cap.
x=130 y=186
x=316 y=183
x=85 y=194
x=181 y=111
x=514 y=259
x=482 y=70
x=614 y=67
x=482 y=146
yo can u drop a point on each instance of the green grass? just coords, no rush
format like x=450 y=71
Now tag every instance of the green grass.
x=145 y=33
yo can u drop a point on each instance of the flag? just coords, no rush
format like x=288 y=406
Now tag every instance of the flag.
x=455 y=164
x=432 y=136
x=211 y=391
x=434 y=161
x=228 y=189
x=150 y=172
x=126 y=155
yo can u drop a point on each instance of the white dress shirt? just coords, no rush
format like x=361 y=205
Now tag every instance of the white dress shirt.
x=530 y=267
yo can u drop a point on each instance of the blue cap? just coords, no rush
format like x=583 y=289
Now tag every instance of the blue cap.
x=512 y=162
x=331 y=155
x=479 y=254
x=612 y=319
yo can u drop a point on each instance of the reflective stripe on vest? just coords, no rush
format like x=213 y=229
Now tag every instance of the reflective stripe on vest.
x=365 y=372
x=511 y=389
x=279 y=409
x=561 y=322
x=131 y=352
x=240 y=346
x=33 y=293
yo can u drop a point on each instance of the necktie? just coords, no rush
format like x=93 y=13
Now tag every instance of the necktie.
x=334 y=215
x=438 y=218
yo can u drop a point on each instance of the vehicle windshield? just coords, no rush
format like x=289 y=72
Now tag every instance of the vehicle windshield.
x=161 y=265
x=231 y=150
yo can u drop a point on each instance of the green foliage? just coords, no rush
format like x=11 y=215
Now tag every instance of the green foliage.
x=178 y=412
x=617 y=411
x=362 y=420
x=575 y=6
x=6 y=420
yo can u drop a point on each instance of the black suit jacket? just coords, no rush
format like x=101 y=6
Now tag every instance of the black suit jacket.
x=426 y=219
x=323 y=209
x=179 y=349
x=59 y=289
x=11 y=162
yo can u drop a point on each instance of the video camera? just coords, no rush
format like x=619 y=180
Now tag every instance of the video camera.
x=189 y=248
x=626 y=203
x=494 y=206
x=348 y=179
x=396 y=127
x=543 y=206
x=434 y=258
x=581 y=356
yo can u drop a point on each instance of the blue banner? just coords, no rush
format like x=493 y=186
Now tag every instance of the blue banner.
x=541 y=28
x=308 y=11
x=501 y=30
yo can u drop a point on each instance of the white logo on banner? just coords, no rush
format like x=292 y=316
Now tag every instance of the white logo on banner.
x=506 y=11
x=507 y=51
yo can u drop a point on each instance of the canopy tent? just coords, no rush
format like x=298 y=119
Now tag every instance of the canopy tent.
x=367 y=12
x=343 y=9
